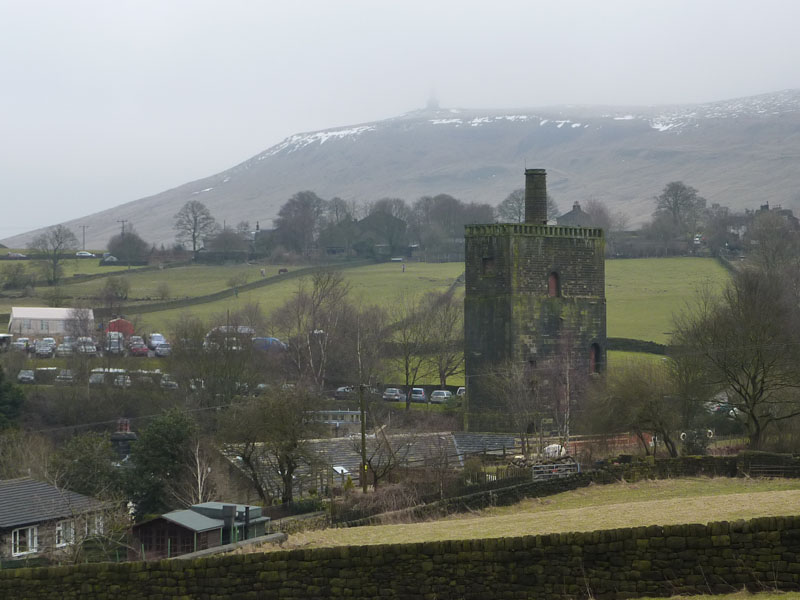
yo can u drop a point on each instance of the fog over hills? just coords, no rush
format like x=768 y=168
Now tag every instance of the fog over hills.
x=741 y=153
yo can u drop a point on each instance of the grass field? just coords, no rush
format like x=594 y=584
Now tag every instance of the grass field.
x=664 y=502
x=642 y=294
x=373 y=284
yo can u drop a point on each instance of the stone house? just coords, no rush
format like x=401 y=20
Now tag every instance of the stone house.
x=39 y=520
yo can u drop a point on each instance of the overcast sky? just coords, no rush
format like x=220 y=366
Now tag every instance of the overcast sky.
x=102 y=102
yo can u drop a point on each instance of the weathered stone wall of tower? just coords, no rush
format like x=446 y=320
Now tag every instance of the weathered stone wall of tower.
x=510 y=314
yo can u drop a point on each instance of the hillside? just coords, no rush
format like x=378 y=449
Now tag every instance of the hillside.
x=739 y=152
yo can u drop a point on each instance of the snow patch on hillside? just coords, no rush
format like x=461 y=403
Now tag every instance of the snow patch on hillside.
x=296 y=142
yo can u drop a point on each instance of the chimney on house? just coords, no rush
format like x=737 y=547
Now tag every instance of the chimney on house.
x=536 y=196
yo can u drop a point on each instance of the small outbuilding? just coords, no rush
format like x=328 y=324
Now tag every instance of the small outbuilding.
x=40 y=321
x=199 y=527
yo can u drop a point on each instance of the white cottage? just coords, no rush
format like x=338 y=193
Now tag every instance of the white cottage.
x=35 y=321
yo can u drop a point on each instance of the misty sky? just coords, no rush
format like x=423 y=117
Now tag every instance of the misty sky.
x=102 y=102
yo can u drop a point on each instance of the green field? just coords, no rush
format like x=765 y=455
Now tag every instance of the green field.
x=663 y=502
x=373 y=284
x=641 y=294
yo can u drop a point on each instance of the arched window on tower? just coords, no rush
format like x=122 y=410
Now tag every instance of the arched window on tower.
x=595 y=359
x=553 y=285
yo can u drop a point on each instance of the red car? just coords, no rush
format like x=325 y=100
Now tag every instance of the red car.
x=138 y=350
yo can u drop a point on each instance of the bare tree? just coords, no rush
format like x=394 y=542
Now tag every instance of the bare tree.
x=311 y=323
x=639 y=397
x=269 y=438
x=745 y=341
x=54 y=245
x=193 y=222
x=410 y=337
x=516 y=387
x=446 y=328
x=774 y=242
x=683 y=205
x=512 y=209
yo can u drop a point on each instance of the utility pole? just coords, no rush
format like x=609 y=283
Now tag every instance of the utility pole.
x=363 y=409
x=83 y=227
x=123 y=221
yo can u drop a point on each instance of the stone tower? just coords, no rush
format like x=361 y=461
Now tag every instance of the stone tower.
x=532 y=290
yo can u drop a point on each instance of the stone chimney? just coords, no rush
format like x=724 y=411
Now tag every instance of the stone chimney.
x=536 y=196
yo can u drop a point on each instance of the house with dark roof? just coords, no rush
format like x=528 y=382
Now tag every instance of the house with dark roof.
x=38 y=519
x=199 y=527
x=577 y=217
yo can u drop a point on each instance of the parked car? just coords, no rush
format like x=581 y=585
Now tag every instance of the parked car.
x=83 y=254
x=44 y=350
x=461 y=391
x=97 y=379
x=135 y=340
x=168 y=383
x=163 y=350
x=344 y=392
x=441 y=396
x=26 y=376
x=87 y=349
x=16 y=255
x=64 y=376
x=114 y=346
x=123 y=381
x=63 y=350
x=139 y=350
x=418 y=395
x=155 y=340
x=51 y=342
x=393 y=395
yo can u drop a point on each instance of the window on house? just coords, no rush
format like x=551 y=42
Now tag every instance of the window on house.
x=65 y=533
x=26 y=324
x=553 y=285
x=24 y=540
x=44 y=326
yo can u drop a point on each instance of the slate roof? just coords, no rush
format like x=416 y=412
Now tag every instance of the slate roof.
x=26 y=501
x=475 y=443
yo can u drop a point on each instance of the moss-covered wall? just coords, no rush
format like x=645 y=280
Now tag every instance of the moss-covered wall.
x=620 y=563
x=509 y=313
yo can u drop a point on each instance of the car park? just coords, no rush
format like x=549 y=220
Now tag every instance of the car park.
x=418 y=395
x=26 y=376
x=393 y=395
x=163 y=350
x=440 y=396
x=84 y=254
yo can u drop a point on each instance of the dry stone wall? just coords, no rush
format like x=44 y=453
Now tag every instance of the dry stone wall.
x=620 y=563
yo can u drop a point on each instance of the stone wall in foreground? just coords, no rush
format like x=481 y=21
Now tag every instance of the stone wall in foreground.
x=619 y=563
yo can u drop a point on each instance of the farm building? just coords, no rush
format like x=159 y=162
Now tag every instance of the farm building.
x=35 y=321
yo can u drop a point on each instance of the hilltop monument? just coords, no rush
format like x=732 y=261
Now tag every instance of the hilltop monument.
x=533 y=292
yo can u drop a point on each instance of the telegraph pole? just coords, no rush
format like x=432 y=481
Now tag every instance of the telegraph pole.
x=83 y=227
x=363 y=410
